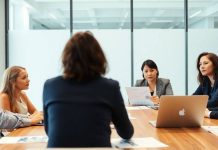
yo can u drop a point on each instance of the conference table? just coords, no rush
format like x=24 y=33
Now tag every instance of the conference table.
x=175 y=138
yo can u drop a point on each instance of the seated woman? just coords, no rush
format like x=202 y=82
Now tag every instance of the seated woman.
x=157 y=86
x=12 y=96
x=80 y=104
x=207 y=65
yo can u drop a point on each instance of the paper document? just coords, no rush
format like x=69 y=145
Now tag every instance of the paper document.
x=131 y=117
x=211 y=129
x=139 y=96
x=136 y=108
x=24 y=139
x=148 y=142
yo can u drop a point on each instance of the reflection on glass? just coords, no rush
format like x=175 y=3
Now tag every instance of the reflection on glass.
x=109 y=21
x=110 y=14
x=202 y=35
x=95 y=14
x=159 y=35
x=159 y=14
x=203 y=14
x=39 y=14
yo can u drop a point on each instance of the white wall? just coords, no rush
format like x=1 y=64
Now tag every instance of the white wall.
x=2 y=37
x=116 y=46
x=40 y=51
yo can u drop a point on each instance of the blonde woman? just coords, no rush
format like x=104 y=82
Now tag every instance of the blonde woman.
x=12 y=96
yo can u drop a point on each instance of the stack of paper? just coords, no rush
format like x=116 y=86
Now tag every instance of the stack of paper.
x=24 y=139
x=211 y=129
x=136 y=107
x=148 y=142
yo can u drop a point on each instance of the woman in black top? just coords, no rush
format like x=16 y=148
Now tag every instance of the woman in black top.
x=80 y=105
x=207 y=65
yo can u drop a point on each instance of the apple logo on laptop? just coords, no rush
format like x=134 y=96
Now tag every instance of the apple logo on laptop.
x=182 y=112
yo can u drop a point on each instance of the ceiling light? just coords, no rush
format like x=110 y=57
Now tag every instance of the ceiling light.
x=53 y=16
x=160 y=21
x=195 y=14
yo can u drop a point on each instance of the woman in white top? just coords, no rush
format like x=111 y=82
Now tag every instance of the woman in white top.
x=12 y=96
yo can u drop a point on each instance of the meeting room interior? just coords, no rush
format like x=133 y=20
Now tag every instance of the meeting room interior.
x=173 y=34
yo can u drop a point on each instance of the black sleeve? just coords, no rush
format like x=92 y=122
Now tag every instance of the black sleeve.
x=198 y=91
x=214 y=115
x=119 y=115
x=213 y=101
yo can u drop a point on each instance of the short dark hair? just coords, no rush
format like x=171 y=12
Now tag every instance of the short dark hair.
x=83 y=57
x=214 y=59
x=151 y=64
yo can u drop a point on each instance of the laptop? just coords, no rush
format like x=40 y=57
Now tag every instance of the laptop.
x=139 y=96
x=181 y=111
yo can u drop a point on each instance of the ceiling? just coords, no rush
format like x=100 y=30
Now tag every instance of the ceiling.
x=114 y=14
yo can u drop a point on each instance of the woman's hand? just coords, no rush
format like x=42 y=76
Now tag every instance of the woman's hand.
x=155 y=99
x=36 y=117
x=207 y=113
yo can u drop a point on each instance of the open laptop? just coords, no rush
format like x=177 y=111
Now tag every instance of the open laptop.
x=181 y=111
x=139 y=96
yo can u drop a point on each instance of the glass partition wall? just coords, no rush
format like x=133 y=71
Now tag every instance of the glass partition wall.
x=109 y=21
x=203 y=35
x=38 y=31
x=159 y=35
x=130 y=31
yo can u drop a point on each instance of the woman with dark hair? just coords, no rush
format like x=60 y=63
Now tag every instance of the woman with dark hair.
x=157 y=86
x=80 y=105
x=207 y=65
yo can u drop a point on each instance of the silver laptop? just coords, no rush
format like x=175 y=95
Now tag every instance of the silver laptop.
x=139 y=96
x=181 y=111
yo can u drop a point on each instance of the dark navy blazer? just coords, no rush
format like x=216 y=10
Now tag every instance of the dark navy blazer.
x=206 y=89
x=214 y=114
x=78 y=114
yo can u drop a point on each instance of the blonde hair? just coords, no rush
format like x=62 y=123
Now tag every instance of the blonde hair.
x=8 y=85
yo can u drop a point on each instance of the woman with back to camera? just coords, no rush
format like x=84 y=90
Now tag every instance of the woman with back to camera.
x=157 y=86
x=80 y=104
x=207 y=65
x=12 y=96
